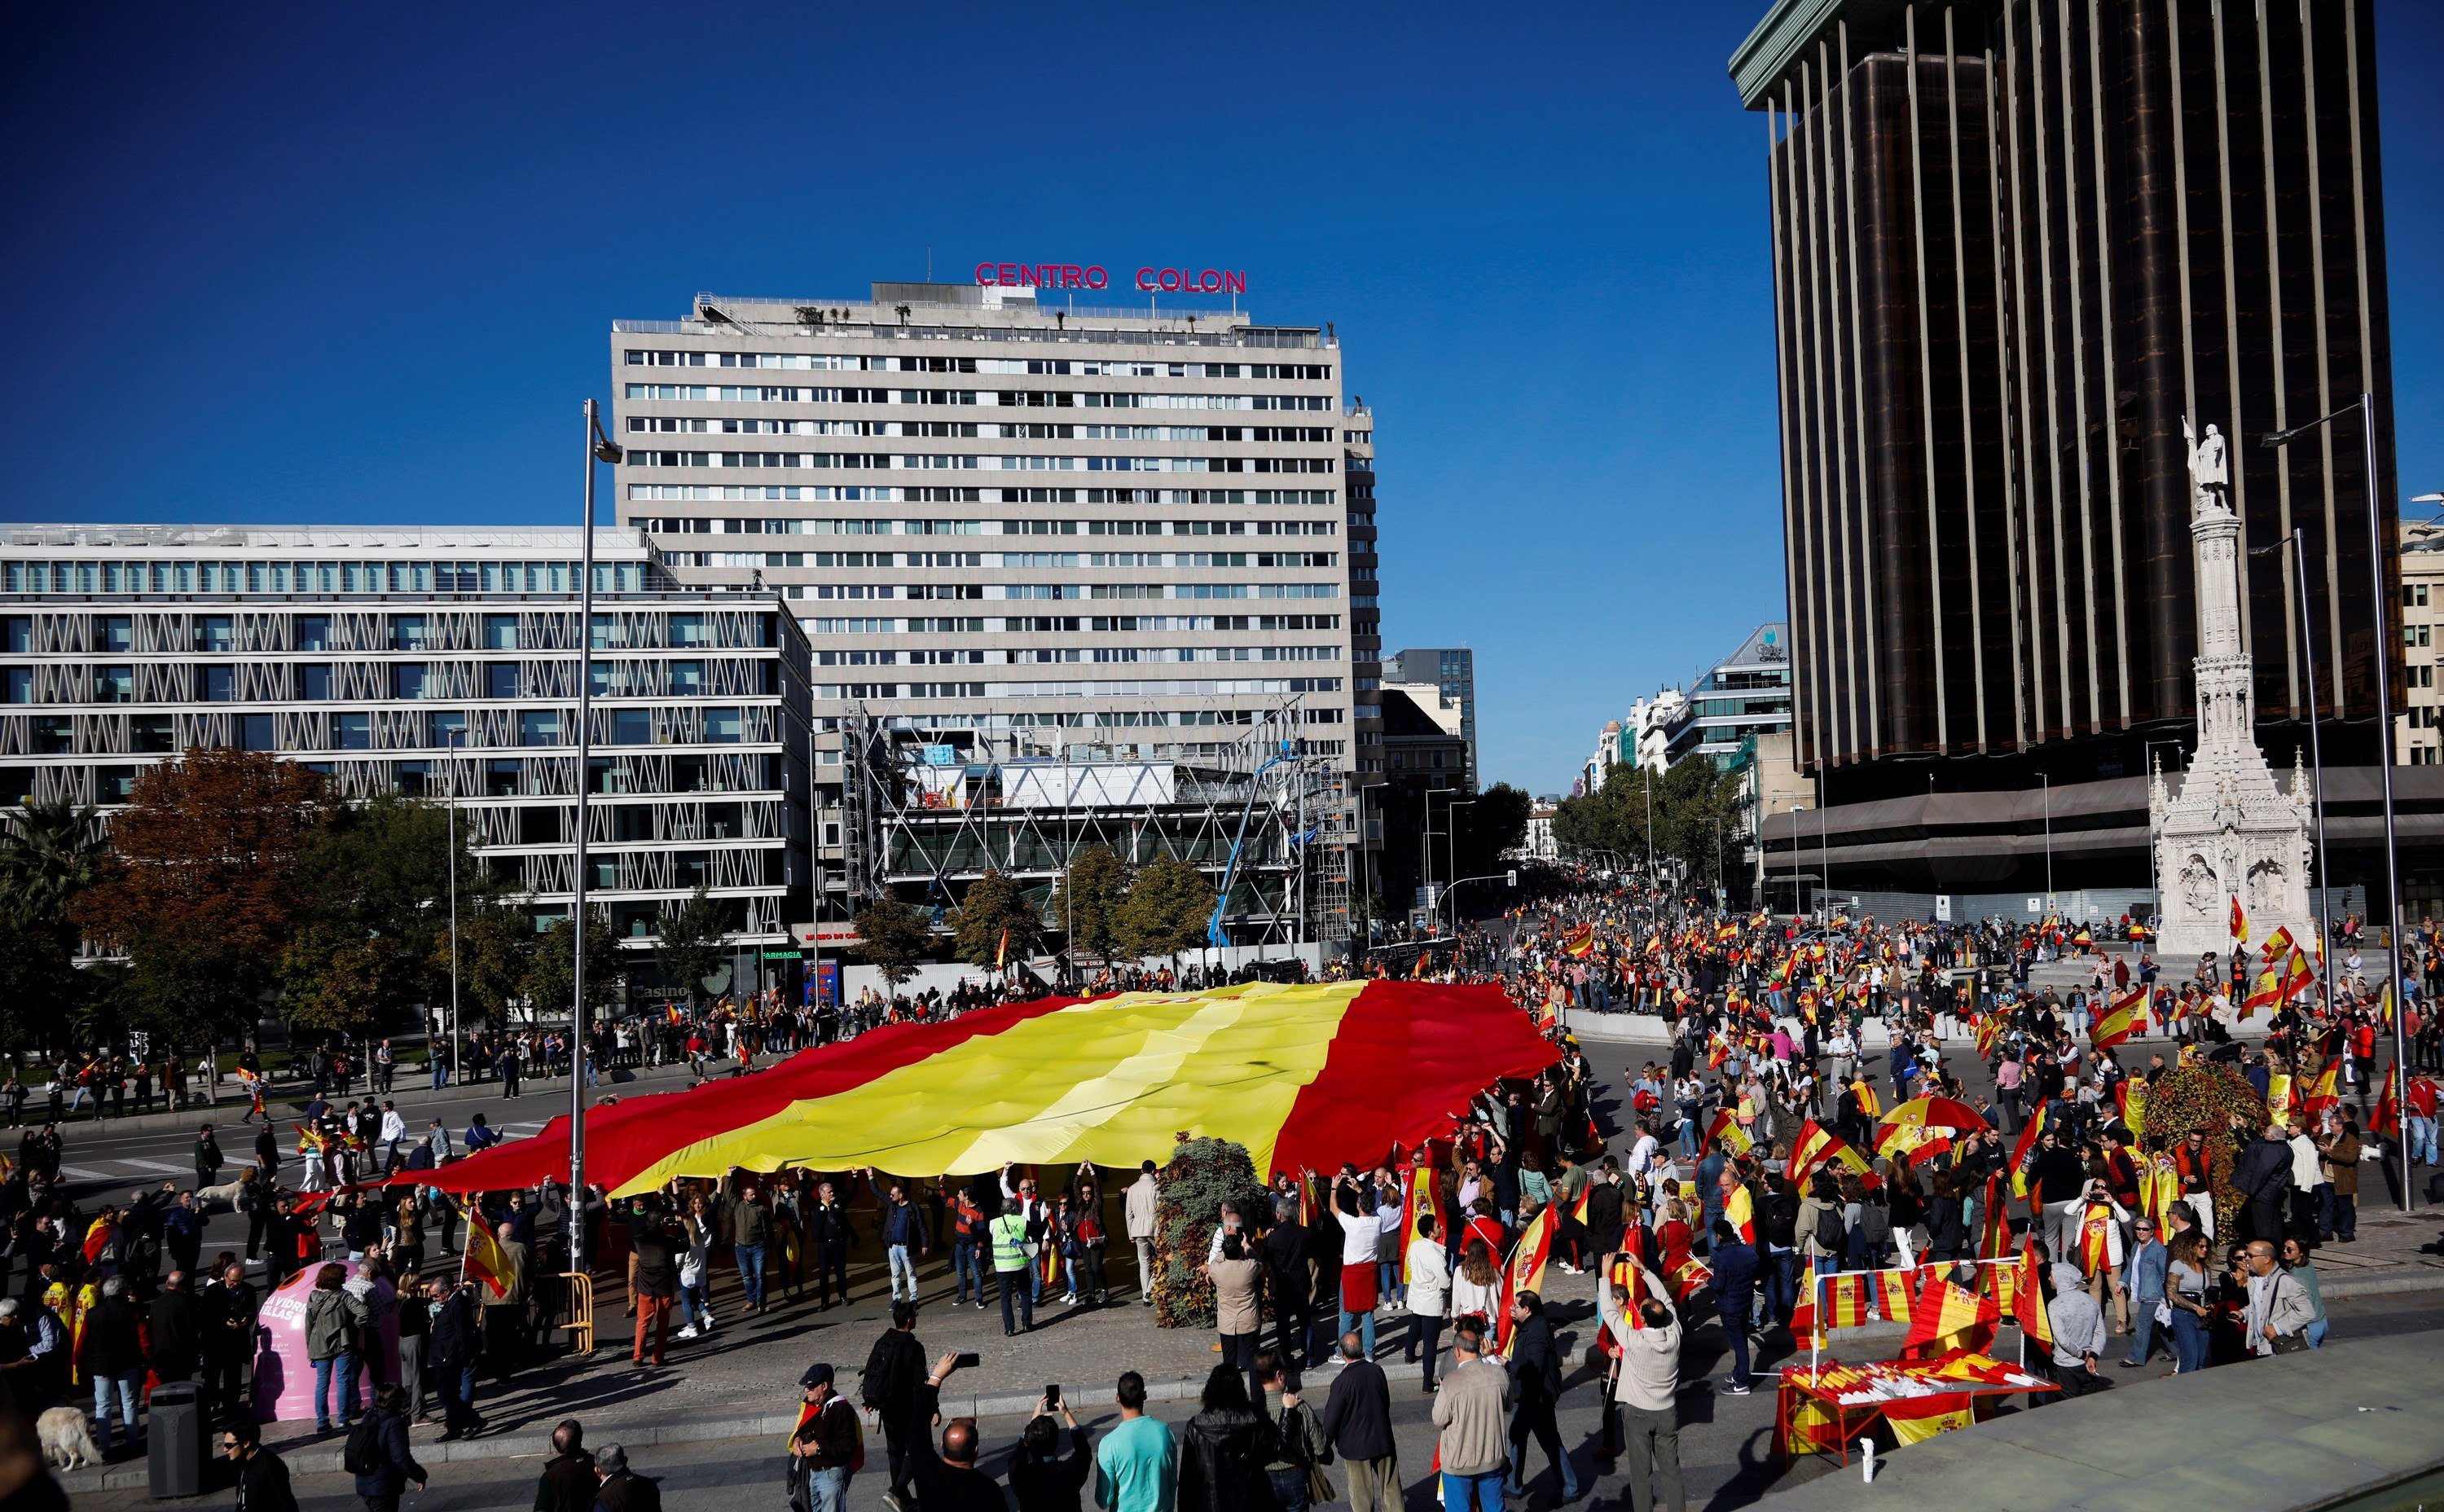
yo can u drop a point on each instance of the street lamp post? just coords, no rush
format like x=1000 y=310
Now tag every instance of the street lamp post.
x=598 y=447
x=2378 y=603
x=2045 y=782
x=455 y=736
x=1795 y=862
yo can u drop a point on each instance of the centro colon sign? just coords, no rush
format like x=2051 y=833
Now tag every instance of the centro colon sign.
x=1149 y=280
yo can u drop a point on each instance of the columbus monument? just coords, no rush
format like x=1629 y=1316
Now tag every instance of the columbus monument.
x=2228 y=833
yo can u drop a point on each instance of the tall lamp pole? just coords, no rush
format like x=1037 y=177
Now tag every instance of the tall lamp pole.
x=2378 y=604
x=598 y=447
x=455 y=736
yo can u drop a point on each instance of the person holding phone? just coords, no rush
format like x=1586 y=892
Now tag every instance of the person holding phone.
x=1042 y=1479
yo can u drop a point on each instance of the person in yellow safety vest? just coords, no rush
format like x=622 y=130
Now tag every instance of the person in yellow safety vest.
x=1010 y=1259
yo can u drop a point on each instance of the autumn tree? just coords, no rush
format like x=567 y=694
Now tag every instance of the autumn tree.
x=892 y=938
x=996 y=913
x=1167 y=910
x=202 y=890
x=1087 y=903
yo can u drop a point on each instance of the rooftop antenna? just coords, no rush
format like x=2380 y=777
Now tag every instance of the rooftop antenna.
x=929 y=264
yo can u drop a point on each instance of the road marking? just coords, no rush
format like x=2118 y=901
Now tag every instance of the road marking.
x=79 y=1173
x=161 y=1166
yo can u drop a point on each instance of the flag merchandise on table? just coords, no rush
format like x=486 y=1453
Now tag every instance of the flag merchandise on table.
x=1895 y=1290
x=484 y=1263
x=1526 y=1270
x=1804 y=1323
x=2239 y=922
x=1727 y=1127
x=2127 y=1016
x=1582 y=941
x=1847 y=1298
x=1945 y=1317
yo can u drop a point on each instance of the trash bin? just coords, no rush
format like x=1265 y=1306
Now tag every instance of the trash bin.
x=174 y=1435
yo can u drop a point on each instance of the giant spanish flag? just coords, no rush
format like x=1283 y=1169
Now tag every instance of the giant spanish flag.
x=1306 y=1076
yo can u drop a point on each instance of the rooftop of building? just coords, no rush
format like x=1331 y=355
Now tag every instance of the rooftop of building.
x=1787 y=31
x=188 y=539
x=986 y=312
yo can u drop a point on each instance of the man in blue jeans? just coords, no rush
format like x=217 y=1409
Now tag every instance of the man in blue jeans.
x=904 y=1237
x=1735 y=1274
x=1472 y=1414
x=751 y=1229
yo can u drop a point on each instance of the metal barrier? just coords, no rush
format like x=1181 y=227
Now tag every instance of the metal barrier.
x=581 y=1311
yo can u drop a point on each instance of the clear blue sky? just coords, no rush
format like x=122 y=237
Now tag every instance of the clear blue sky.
x=333 y=263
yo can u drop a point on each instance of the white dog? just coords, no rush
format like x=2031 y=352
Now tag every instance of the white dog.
x=67 y=1438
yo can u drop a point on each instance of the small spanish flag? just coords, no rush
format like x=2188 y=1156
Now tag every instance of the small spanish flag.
x=1001 y=951
x=2127 y=1016
x=484 y=1262
x=1944 y=1317
x=1741 y=1210
x=2239 y=922
x=1580 y=941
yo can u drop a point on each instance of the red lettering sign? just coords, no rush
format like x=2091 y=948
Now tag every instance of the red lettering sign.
x=1191 y=281
x=1040 y=275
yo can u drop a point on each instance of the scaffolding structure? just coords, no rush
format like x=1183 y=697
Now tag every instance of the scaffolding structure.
x=928 y=811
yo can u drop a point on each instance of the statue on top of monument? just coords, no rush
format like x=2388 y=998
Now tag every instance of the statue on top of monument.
x=2209 y=473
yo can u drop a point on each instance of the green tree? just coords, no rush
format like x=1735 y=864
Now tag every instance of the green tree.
x=691 y=948
x=497 y=945
x=1166 y=910
x=892 y=938
x=378 y=871
x=203 y=891
x=551 y=988
x=1087 y=903
x=49 y=854
x=994 y=906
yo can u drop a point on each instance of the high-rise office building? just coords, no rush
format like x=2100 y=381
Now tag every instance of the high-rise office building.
x=1452 y=672
x=2016 y=246
x=1020 y=533
x=437 y=663
x=2021 y=249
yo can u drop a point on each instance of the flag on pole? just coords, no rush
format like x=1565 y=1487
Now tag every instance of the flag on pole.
x=1001 y=951
x=2387 y=1120
x=1727 y=1127
x=1817 y=1145
x=2324 y=1089
x=2239 y=922
x=1525 y=1271
x=2029 y=1302
x=2019 y=1152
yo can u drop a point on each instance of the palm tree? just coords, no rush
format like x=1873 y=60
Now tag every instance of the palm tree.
x=52 y=852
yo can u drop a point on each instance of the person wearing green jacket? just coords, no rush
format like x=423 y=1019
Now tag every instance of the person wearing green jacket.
x=1011 y=1259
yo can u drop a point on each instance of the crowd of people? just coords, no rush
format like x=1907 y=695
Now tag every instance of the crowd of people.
x=1710 y=1189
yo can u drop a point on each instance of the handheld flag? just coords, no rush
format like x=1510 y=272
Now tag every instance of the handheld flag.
x=2388 y=1106
x=1740 y=1208
x=1580 y=941
x=2125 y=1018
x=2239 y=922
x=1726 y=1127
x=484 y=1262
x=1526 y=1272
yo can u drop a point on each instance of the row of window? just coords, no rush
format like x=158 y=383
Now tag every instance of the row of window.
x=168 y=633
x=1056 y=655
x=529 y=824
x=1055 y=367
x=1063 y=624
x=318 y=682
x=157 y=734
x=964 y=461
x=1062 y=591
x=705 y=524
x=810 y=493
x=679 y=425
x=318 y=576
x=1026 y=558
x=1089 y=719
